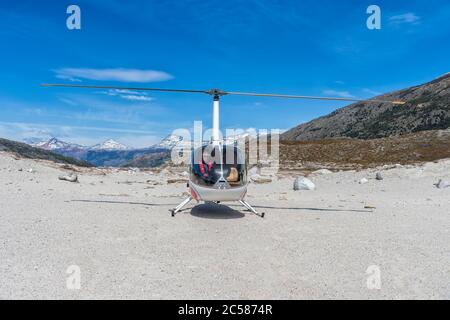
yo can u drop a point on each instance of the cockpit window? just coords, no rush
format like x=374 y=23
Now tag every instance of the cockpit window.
x=213 y=165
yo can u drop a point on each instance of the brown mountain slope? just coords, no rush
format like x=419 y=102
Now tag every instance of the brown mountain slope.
x=26 y=151
x=346 y=153
x=427 y=108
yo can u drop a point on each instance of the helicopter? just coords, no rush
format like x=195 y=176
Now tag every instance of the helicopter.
x=218 y=171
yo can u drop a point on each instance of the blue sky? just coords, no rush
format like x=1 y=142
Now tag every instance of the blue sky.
x=292 y=47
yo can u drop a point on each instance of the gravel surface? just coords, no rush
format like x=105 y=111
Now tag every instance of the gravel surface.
x=116 y=227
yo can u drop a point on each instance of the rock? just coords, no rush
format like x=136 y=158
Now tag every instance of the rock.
x=442 y=184
x=256 y=178
x=175 y=180
x=379 y=176
x=20 y=170
x=302 y=183
x=31 y=171
x=253 y=171
x=69 y=177
x=363 y=181
x=322 y=172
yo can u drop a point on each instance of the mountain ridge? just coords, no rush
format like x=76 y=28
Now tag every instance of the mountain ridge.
x=427 y=107
x=26 y=151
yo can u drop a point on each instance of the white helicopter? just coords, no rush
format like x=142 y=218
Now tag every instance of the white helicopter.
x=218 y=172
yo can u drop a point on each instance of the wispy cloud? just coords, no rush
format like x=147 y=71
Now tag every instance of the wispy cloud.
x=128 y=95
x=118 y=74
x=406 y=18
x=68 y=101
x=339 y=94
x=21 y=131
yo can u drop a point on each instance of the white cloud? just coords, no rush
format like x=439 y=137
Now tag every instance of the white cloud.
x=51 y=128
x=68 y=101
x=128 y=95
x=339 y=94
x=67 y=77
x=136 y=98
x=81 y=135
x=406 y=18
x=118 y=74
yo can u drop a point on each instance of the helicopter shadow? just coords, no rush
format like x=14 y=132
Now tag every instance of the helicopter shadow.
x=323 y=210
x=215 y=211
x=206 y=211
x=127 y=202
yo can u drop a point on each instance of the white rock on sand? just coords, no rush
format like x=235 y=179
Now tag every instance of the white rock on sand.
x=312 y=245
x=442 y=184
x=302 y=183
x=363 y=181
x=72 y=177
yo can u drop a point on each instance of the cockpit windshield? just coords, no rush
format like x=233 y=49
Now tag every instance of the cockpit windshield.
x=219 y=166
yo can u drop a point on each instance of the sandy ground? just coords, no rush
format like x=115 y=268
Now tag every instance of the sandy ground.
x=311 y=245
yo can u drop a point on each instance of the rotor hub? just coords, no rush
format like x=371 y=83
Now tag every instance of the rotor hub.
x=216 y=92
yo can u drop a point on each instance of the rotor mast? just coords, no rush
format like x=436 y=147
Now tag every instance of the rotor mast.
x=216 y=93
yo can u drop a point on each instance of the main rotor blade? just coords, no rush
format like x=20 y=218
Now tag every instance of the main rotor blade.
x=286 y=96
x=119 y=88
x=217 y=92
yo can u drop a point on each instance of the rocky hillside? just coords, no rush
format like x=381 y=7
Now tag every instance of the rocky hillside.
x=427 y=108
x=149 y=160
x=26 y=151
x=122 y=158
x=347 y=153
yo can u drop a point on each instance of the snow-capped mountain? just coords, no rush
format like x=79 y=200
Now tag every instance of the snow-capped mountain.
x=238 y=138
x=55 y=144
x=32 y=141
x=171 y=141
x=110 y=145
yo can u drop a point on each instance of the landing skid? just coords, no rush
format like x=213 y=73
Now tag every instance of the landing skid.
x=180 y=206
x=251 y=209
x=189 y=199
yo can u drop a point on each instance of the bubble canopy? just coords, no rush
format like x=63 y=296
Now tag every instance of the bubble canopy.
x=218 y=166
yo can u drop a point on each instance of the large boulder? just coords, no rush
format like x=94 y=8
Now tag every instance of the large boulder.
x=72 y=177
x=302 y=183
x=442 y=184
x=363 y=181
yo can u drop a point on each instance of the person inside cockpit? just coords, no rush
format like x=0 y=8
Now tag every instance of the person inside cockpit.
x=206 y=166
